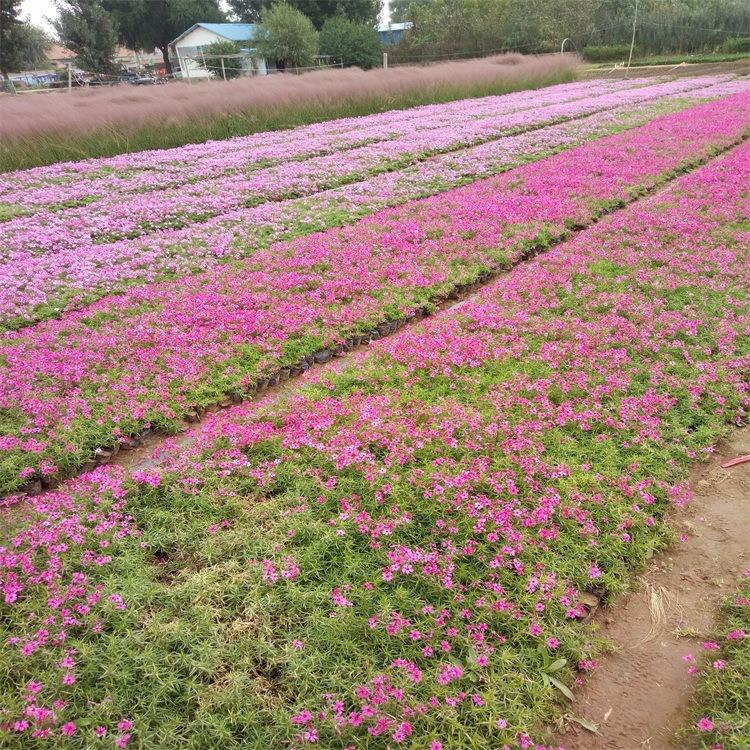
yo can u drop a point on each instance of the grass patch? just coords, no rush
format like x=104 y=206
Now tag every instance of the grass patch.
x=720 y=705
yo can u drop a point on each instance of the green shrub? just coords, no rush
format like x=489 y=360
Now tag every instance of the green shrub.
x=287 y=37
x=738 y=44
x=350 y=43
x=212 y=57
x=609 y=53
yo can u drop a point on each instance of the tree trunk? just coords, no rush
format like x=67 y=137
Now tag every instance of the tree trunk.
x=165 y=55
x=8 y=83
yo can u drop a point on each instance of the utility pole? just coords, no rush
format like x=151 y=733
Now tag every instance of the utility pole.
x=632 y=41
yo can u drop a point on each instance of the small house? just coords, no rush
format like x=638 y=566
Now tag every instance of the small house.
x=391 y=33
x=188 y=48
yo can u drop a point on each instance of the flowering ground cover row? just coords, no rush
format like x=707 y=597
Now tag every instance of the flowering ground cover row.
x=150 y=356
x=37 y=286
x=720 y=713
x=77 y=180
x=116 y=214
x=397 y=555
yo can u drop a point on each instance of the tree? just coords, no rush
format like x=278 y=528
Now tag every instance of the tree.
x=22 y=45
x=318 y=11
x=212 y=58
x=149 y=24
x=86 y=28
x=287 y=36
x=350 y=43
x=31 y=43
x=402 y=10
x=247 y=11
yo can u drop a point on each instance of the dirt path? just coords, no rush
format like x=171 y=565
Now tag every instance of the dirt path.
x=639 y=695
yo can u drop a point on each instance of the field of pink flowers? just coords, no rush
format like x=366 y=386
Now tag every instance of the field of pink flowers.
x=398 y=554
x=83 y=383
x=70 y=237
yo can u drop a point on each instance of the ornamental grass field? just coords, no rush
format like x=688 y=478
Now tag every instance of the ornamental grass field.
x=103 y=122
x=401 y=549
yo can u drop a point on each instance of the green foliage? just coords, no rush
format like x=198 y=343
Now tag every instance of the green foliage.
x=212 y=59
x=723 y=695
x=403 y=10
x=350 y=43
x=87 y=29
x=736 y=45
x=318 y=11
x=9 y=21
x=146 y=24
x=608 y=53
x=466 y=27
x=287 y=37
x=26 y=48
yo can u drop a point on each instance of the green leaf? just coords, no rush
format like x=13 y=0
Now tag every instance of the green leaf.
x=562 y=687
x=556 y=665
x=586 y=724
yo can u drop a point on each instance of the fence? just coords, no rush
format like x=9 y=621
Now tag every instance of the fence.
x=237 y=65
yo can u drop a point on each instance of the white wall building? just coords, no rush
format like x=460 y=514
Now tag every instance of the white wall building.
x=189 y=46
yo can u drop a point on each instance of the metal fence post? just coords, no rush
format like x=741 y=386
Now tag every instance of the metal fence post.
x=385 y=61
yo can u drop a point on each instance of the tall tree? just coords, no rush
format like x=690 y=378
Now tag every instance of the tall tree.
x=9 y=23
x=86 y=28
x=287 y=36
x=350 y=43
x=402 y=10
x=153 y=24
x=318 y=11
x=31 y=43
x=247 y=11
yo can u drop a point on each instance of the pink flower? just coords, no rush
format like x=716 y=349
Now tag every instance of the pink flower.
x=448 y=673
x=501 y=723
x=303 y=717
x=402 y=732
x=705 y=724
x=339 y=599
x=68 y=729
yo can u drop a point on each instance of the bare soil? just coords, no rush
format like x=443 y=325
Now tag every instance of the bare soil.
x=639 y=696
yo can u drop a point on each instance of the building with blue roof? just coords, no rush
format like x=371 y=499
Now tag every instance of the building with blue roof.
x=392 y=33
x=187 y=49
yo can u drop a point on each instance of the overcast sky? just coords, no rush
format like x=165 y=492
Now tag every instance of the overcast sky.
x=37 y=11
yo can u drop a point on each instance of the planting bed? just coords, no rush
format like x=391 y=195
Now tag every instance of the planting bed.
x=155 y=354
x=399 y=554
x=85 y=241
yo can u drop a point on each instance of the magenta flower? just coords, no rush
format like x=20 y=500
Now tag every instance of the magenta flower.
x=705 y=724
